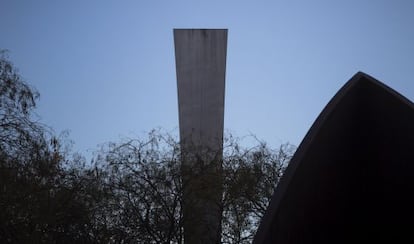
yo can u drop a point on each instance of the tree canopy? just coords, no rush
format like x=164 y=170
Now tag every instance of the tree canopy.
x=132 y=190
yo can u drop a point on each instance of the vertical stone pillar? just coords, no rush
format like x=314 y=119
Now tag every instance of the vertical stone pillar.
x=200 y=56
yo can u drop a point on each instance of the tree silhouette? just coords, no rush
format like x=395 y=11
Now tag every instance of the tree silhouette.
x=131 y=192
x=144 y=176
x=44 y=195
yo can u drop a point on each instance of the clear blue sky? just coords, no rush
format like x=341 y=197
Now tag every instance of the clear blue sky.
x=105 y=69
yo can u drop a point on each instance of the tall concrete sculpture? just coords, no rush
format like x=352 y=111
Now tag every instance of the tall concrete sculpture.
x=351 y=179
x=200 y=56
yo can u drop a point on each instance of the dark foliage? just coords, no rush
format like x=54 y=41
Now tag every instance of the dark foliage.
x=45 y=197
x=130 y=193
x=143 y=176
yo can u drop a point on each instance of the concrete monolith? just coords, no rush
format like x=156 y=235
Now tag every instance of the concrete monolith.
x=200 y=56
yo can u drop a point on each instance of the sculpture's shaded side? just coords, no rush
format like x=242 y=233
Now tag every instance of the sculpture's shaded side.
x=200 y=56
x=352 y=177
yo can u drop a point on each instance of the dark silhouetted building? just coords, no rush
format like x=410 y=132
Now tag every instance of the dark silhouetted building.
x=351 y=179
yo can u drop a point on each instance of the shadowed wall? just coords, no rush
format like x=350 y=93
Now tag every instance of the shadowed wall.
x=352 y=177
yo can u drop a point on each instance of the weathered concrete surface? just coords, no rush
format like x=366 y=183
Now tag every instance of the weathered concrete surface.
x=200 y=64
x=352 y=178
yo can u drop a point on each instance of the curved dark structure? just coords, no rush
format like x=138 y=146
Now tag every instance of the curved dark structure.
x=352 y=177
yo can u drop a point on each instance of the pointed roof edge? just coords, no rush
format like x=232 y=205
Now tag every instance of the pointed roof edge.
x=359 y=75
x=303 y=147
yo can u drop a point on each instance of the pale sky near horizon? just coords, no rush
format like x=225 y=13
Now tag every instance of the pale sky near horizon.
x=105 y=69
